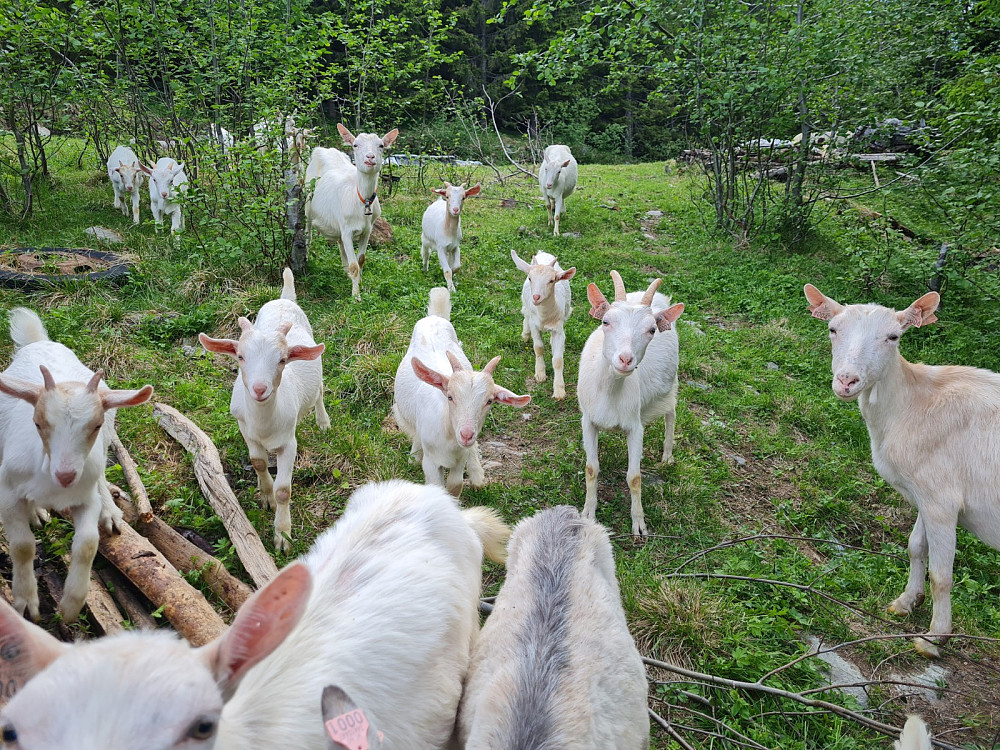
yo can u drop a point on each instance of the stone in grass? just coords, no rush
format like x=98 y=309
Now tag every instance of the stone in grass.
x=654 y=213
x=103 y=234
x=381 y=232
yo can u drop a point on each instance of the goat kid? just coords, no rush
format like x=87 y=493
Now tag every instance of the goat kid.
x=934 y=438
x=167 y=182
x=441 y=229
x=57 y=419
x=280 y=381
x=332 y=617
x=545 y=305
x=557 y=181
x=125 y=173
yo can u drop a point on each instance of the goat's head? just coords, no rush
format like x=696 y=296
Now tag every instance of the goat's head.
x=128 y=173
x=161 y=176
x=455 y=196
x=629 y=325
x=138 y=690
x=261 y=355
x=69 y=417
x=470 y=395
x=369 y=149
x=553 y=169
x=865 y=338
x=543 y=274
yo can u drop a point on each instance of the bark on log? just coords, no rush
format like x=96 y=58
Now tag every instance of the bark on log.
x=135 y=485
x=101 y=606
x=212 y=480
x=129 y=600
x=183 y=605
x=186 y=556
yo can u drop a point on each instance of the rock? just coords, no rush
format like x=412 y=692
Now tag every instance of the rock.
x=735 y=457
x=103 y=234
x=841 y=671
x=654 y=213
x=932 y=677
x=649 y=236
x=772 y=365
x=699 y=386
x=381 y=232
x=573 y=235
x=695 y=326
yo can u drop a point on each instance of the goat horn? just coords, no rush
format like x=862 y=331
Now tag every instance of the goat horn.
x=620 y=294
x=50 y=384
x=95 y=381
x=456 y=364
x=553 y=263
x=491 y=366
x=647 y=298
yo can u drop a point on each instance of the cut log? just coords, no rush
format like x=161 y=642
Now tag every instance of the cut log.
x=101 y=606
x=184 y=555
x=135 y=485
x=183 y=605
x=212 y=480
x=129 y=599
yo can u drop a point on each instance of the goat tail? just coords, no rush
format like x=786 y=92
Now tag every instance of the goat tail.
x=440 y=303
x=26 y=327
x=915 y=735
x=493 y=533
x=288 y=287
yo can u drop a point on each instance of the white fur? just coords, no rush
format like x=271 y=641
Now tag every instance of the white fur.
x=59 y=466
x=441 y=403
x=167 y=182
x=915 y=735
x=126 y=179
x=557 y=181
x=221 y=136
x=555 y=665
x=384 y=605
x=628 y=378
x=280 y=381
x=934 y=437
x=545 y=305
x=336 y=208
x=441 y=229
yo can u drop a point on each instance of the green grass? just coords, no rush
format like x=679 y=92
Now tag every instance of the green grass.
x=763 y=446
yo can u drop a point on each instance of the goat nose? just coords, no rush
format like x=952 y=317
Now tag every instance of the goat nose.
x=536 y=298
x=259 y=389
x=163 y=194
x=65 y=478
x=626 y=359
x=467 y=434
x=848 y=380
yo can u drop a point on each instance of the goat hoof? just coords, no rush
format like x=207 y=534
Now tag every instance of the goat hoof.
x=267 y=501
x=927 y=649
x=667 y=459
x=901 y=608
x=281 y=543
x=559 y=394
x=639 y=529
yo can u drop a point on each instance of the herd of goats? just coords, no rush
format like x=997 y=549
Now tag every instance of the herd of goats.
x=373 y=639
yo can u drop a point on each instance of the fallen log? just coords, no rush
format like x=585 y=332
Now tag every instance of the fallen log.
x=212 y=480
x=101 y=606
x=184 y=555
x=130 y=602
x=132 y=478
x=184 y=606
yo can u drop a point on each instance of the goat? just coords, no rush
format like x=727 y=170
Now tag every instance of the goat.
x=57 y=419
x=637 y=330
x=441 y=229
x=915 y=735
x=557 y=180
x=555 y=665
x=951 y=479
x=280 y=382
x=347 y=726
x=167 y=182
x=441 y=403
x=336 y=615
x=545 y=305
x=125 y=172
x=344 y=204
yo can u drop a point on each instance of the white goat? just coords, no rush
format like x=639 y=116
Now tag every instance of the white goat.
x=125 y=172
x=441 y=403
x=221 y=136
x=557 y=180
x=555 y=665
x=280 y=382
x=628 y=378
x=915 y=735
x=934 y=437
x=442 y=229
x=344 y=204
x=167 y=182
x=57 y=420
x=545 y=305
x=334 y=616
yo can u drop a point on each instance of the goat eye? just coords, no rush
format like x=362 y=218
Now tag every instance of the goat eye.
x=239 y=357
x=489 y=401
x=97 y=427
x=833 y=331
x=893 y=337
x=605 y=323
x=202 y=729
x=282 y=361
x=38 y=426
x=9 y=734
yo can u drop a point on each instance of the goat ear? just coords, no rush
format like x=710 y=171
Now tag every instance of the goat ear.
x=25 y=650
x=474 y=190
x=666 y=318
x=820 y=305
x=222 y=346
x=301 y=352
x=121 y=399
x=921 y=312
x=503 y=396
x=565 y=163
x=521 y=265
x=347 y=726
x=346 y=134
x=566 y=275
x=429 y=376
x=144 y=168
x=21 y=389
x=390 y=138
x=261 y=625
x=440 y=191
x=598 y=302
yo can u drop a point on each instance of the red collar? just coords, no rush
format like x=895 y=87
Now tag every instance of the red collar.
x=367 y=203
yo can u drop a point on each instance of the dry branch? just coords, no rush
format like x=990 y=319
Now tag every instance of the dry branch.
x=183 y=605
x=185 y=556
x=103 y=610
x=130 y=602
x=135 y=485
x=212 y=480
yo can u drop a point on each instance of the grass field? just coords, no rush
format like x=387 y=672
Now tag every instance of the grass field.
x=764 y=449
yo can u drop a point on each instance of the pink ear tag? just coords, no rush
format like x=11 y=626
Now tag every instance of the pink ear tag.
x=349 y=730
